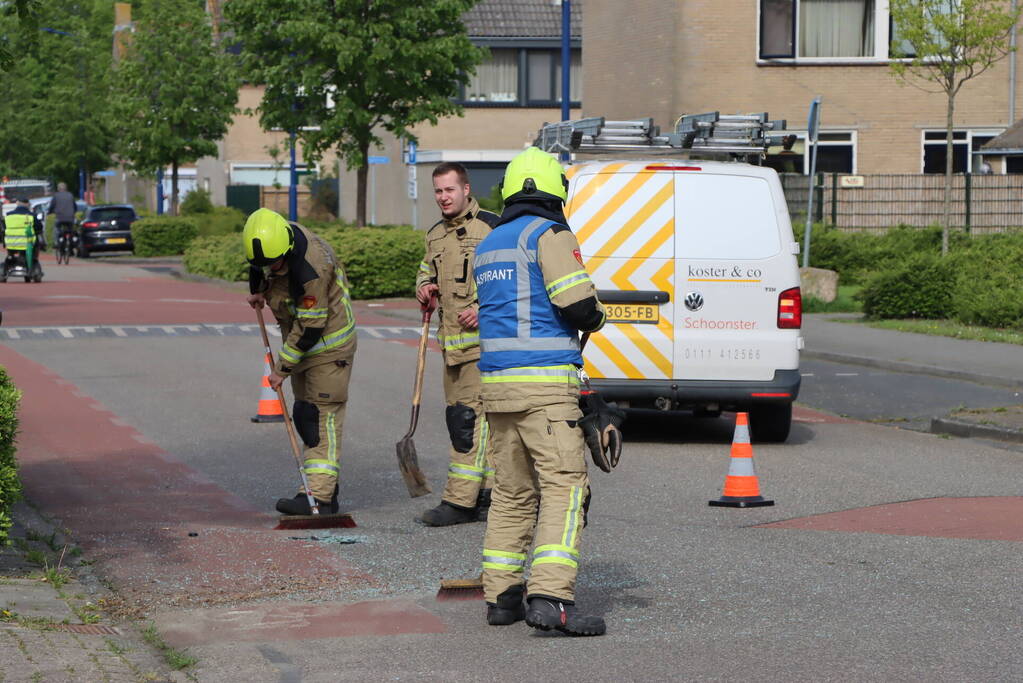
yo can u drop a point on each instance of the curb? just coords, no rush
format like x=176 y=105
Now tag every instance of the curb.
x=947 y=425
x=901 y=366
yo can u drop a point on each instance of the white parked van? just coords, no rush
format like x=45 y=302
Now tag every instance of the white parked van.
x=696 y=263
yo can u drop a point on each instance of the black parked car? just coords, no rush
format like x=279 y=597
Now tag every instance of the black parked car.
x=106 y=227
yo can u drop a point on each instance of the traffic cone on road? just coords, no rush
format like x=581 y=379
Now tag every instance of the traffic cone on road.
x=742 y=490
x=269 y=406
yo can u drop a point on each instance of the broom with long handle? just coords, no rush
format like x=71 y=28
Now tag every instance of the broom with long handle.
x=287 y=420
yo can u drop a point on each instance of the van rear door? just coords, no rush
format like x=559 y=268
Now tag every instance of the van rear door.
x=731 y=264
x=624 y=217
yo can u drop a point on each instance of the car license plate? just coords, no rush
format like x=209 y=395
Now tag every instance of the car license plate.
x=632 y=313
x=116 y=240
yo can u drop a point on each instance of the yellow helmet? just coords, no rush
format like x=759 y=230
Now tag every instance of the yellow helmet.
x=266 y=237
x=534 y=173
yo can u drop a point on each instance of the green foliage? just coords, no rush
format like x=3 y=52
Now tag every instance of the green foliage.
x=222 y=220
x=494 y=202
x=10 y=486
x=163 y=235
x=380 y=262
x=176 y=89
x=196 y=201
x=354 y=68
x=219 y=256
x=847 y=301
x=989 y=282
x=56 y=109
x=918 y=287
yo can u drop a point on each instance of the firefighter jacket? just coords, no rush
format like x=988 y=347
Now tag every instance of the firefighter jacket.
x=448 y=263
x=21 y=230
x=310 y=299
x=534 y=297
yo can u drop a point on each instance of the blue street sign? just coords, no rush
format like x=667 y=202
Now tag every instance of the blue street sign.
x=813 y=121
x=411 y=152
x=105 y=174
x=378 y=160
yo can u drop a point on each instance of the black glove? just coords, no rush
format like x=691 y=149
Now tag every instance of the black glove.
x=600 y=424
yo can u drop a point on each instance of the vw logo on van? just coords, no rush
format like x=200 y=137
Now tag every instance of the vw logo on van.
x=694 y=301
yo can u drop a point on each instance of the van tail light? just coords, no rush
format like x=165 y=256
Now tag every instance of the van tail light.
x=90 y=225
x=790 y=309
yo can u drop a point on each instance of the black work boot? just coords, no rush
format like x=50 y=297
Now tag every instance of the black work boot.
x=547 y=613
x=483 y=505
x=299 y=505
x=509 y=607
x=447 y=514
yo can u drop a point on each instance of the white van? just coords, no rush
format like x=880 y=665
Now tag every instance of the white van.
x=695 y=262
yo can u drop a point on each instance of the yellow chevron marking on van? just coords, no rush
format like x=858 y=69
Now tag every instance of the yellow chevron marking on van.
x=630 y=370
x=704 y=279
x=638 y=219
x=615 y=203
x=586 y=193
x=592 y=370
x=638 y=338
x=662 y=280
x=621 y=278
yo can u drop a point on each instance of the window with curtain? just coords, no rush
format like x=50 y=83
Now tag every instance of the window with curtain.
x=575 y=76
x=836 y=28
x=496 y=79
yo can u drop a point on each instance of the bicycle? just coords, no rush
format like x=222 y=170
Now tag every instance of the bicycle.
x=65 y=246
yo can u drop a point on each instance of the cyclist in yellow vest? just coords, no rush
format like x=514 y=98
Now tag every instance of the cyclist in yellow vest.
x=295 y=273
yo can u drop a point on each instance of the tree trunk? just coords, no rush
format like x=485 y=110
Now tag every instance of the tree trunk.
x=174 y=187
x=360 y=188
x=947 y=222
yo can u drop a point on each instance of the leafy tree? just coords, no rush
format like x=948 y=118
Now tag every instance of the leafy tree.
x=339 y=71
x=55 y=115
x=950 y=42
x=176 y=90
x=25 y=11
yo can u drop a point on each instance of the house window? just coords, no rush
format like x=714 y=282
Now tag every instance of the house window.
x=966 y=146
x=496 y=79
x=836 y=153
x=821 y=30
x=523 y=77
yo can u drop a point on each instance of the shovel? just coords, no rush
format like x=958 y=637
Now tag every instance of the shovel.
x=408 y=463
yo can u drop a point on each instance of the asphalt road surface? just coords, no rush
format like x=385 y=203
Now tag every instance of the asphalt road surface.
x=136 y=432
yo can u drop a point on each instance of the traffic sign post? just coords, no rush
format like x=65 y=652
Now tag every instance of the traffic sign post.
x=413 y=189
x=813 y=124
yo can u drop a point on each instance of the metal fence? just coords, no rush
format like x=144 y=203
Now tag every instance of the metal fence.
x=980 y=203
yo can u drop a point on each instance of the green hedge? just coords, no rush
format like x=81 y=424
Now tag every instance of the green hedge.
x=10 y=487
x=380 y=262
x=220 y=220
x=919 y=287
x=163 y=235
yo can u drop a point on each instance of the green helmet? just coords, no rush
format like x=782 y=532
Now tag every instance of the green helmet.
x=534 y=173
x=266 y=237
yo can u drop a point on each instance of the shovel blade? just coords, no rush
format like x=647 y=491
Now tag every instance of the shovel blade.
x=408 y=463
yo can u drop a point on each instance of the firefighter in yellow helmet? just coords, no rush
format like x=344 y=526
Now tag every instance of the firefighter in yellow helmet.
x=296 y=273
x=446 y=272
x=534 y=297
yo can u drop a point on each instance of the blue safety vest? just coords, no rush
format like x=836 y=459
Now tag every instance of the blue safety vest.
x=523 y=338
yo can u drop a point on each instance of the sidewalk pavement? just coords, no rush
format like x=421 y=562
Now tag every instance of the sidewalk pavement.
x=988 y=363
x=56 y=631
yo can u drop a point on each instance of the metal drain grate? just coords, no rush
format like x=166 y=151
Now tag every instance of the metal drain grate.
x=90 y=629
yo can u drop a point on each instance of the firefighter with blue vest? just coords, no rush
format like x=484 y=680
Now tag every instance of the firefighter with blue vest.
x=296 y=273
x=535 y=296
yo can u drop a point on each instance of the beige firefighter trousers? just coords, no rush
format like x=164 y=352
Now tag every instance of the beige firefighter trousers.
x=325 y=388
x=469 y=469
x=539 y=460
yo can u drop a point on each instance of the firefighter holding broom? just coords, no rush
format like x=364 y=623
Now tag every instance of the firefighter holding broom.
x=296 y=273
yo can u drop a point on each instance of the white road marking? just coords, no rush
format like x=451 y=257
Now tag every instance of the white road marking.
x=807 y=374
x=13 y=334
x=118 y=332
x=372 y=332
x=847 y=374
x=65 y=332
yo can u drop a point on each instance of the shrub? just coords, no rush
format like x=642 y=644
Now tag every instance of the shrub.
x=217 y=256
x=195 y=202
x=989 y=282
x=221 y=220
x=163 y=235
x=380 y=262
x=10 y=487
x=918 y=287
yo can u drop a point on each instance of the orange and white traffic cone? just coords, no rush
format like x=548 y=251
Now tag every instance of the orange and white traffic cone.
x=742 y=490
x=269 y=406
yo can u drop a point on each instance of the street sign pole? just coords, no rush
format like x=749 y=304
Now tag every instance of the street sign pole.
x=293 y=186
x=812 y=128
x=413 y=189
x=372 y=194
